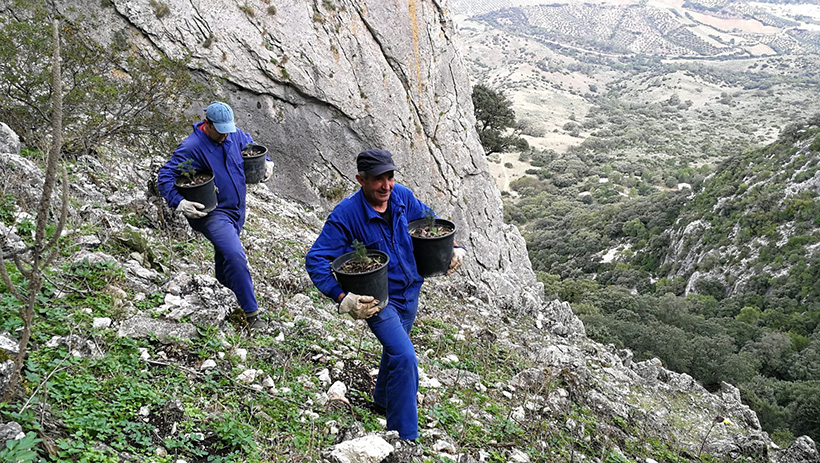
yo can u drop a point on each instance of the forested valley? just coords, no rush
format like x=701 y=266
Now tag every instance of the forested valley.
x=710 y=269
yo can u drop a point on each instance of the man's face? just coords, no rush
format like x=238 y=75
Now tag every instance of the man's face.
x=377 y=189
x=210 y=130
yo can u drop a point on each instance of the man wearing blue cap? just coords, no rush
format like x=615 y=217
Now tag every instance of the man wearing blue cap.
x=378 y=216
x=216 y=145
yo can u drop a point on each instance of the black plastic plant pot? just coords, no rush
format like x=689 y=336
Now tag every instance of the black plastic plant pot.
x=255 y=159
x=203 y=193
x=433 y=253
x=370 y=283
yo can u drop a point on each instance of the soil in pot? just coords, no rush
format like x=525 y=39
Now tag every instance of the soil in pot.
x=358 y=266
x=363 y=278
x=198 y=178
x=432 y=245
x=254 y=158
x=198 y=188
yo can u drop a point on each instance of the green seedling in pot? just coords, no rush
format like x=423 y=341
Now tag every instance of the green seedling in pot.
x=187 y=170
x=360 y=253
x=431 y=221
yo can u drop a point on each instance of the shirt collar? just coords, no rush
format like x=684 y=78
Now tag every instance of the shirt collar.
x=395 y=204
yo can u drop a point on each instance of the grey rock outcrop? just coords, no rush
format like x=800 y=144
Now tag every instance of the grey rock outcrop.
x=6 y=368
x=10 y=431
x=803 y=450
x=201 y=298
x=366 y=449
x=9 y=141
x=730 y=264
x=140 y=326
x=9 y=344
x=319 y=82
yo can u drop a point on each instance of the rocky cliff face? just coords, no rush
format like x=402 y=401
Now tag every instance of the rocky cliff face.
x=318 y=82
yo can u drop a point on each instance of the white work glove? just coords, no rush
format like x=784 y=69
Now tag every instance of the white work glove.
x=458 y=259
x=268 y=170
x=191 y=209
x=359 y=306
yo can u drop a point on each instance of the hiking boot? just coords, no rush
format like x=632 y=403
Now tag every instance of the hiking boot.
x=254 y=320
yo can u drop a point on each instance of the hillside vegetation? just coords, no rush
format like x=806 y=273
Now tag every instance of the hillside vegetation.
x=671 y=194
x=720 y=284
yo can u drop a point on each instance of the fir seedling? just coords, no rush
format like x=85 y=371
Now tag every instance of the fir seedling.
x=431 y=221
x=360 y=252
x=186 y=169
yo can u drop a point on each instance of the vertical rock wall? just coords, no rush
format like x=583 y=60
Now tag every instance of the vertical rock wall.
x=319 y=81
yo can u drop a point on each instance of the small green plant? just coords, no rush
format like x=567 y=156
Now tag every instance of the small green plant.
x=360 y=253
x=209 y=41
x=186 y=169
x=247 y=10
x=161 y=10
x=7 y=209
x=430 y=217
x=20 y=450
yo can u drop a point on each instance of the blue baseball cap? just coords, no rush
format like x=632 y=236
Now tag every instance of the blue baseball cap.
x=375 y=162
x=222 y=116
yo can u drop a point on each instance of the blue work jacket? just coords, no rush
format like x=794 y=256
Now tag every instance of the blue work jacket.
x=224 y=160
x=355 y=219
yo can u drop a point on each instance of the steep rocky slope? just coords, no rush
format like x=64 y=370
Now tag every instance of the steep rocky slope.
x=754 y=221
x=507 y=376
x=533 y=380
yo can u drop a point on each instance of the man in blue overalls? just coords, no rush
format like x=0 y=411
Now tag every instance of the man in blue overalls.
x=216 y=145
x=377 y=216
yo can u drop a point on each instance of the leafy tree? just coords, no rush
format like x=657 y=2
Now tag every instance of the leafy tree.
x=110 y=92
x=806 y=409
x=495 y=117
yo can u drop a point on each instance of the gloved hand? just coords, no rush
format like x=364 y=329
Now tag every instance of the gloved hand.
x=458 y=258
x=359 y=307
x=191 y=209
x=268 y=170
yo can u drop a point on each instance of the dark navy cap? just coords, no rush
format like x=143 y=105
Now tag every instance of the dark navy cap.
x=374 y=162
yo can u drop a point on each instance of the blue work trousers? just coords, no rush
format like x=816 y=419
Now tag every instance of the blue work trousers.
x=398 y=380
x=231 y=263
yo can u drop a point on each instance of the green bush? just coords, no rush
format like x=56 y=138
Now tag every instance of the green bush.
x=104 y=86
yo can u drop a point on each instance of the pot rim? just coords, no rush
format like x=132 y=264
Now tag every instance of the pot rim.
x=208 y=172
x=348 y=256
x=419 y=222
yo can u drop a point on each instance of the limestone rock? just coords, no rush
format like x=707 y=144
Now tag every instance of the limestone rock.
x=366 y=449
x=6 y=368
x=530 y=379
x=141 y=326
x=10 y=431
x=9 y=141
x=803 y=450
x=9 y=344
x=200 y=297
